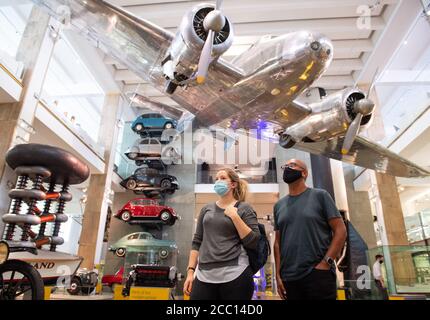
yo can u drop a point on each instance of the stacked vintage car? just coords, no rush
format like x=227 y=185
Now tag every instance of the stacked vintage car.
x=143 y=252
x=153 y=155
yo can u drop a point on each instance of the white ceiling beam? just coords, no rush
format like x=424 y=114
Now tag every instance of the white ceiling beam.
x=335 y=29
x=337 y=73
x=334 y=82
x=346 y=64
x=256 y=11
x=342 y=48
x=109 y=60
x=120 y=67
x=347 y=45
x=316 y=25
x=364 y=45
x=338 y=67
x=256 y=30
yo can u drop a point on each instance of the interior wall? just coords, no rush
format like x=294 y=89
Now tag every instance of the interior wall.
x=261 y=202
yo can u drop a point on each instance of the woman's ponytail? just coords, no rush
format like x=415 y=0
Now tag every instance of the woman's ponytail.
x=241 y=190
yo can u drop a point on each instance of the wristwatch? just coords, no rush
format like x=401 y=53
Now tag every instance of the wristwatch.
x=330 y=261
x=191 y=268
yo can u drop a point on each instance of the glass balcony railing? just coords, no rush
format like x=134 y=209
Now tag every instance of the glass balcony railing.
x=75 y=128
x=71 y=89
x=125 y=167
x=14 y=16
x=406 y=268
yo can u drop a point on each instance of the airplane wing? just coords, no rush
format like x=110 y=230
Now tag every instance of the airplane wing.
x=142 y=46
x=137 y=43
x=367 y=154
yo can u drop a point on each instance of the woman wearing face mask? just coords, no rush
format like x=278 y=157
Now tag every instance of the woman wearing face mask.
x=223 y=234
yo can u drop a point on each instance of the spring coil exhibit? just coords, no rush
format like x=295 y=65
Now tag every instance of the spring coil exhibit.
x=37 y=184
x=16 y=207
x=60 y=210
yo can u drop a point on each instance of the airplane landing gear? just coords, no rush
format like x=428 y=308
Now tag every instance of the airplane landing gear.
x=286 y=141
x=170 y=87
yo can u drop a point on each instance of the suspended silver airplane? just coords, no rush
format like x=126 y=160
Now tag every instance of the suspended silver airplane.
x=259 y=91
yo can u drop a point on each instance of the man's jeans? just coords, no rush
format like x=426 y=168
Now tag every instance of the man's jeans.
x=382 y=290
x=318 y=285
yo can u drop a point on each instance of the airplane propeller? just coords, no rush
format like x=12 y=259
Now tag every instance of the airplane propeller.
x=214 y=22
x=362 y=108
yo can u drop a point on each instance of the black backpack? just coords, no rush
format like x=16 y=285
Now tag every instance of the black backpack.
x=259 y=255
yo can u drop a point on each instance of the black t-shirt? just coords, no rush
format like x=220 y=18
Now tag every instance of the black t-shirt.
x=304 y=231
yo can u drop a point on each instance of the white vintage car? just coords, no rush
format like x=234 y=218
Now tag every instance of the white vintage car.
x=146 y=148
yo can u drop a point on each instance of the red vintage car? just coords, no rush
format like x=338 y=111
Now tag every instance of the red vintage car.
x=110 y=280
x=146 y=209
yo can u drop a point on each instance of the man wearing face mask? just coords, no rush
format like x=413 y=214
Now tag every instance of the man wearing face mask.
x=309 y=235
x=377 y=274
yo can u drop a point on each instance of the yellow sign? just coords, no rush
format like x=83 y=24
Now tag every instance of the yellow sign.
x=341 y=295
x=146 y=293
x=47 y=293
x=117 y=293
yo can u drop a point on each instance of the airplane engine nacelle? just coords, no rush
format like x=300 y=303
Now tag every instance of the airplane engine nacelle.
x=348 y=106
x=184 y=53
x=330 y=118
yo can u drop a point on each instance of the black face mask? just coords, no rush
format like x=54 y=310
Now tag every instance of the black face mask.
x=291 y=175
x=381 y=261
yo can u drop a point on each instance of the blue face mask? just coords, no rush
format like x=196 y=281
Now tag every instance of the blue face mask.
x=221 y=188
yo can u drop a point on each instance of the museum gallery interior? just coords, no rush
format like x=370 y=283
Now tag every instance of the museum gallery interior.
x=153 y=148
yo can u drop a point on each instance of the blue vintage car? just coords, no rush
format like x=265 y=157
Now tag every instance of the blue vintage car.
x=152 y=121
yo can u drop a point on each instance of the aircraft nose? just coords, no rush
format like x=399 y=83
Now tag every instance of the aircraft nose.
x=322 y=47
